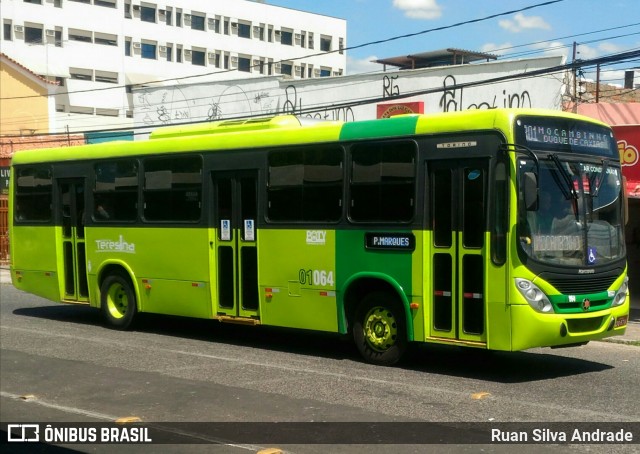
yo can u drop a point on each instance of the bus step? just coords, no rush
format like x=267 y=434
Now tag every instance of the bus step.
x=237 y=320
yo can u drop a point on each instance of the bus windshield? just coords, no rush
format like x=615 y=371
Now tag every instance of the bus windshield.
x=578 y=218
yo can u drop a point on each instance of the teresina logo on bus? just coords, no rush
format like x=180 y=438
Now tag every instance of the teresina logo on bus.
x=394 y=241
x=115 y=246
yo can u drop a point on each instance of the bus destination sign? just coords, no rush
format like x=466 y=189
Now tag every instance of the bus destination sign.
x=390 y=241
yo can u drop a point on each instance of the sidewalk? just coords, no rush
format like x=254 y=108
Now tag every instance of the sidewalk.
x=632 y=334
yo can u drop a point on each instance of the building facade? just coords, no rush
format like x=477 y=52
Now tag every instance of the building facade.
x=96 y=50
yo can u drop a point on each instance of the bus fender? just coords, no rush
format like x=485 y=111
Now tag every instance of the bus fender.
x=106 y=267
x=384 y=282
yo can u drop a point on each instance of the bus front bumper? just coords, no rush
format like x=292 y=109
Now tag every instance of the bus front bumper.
x=533 y=329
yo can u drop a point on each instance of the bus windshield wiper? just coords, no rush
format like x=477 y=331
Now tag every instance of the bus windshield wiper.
x=603 y=174
x=565 y=176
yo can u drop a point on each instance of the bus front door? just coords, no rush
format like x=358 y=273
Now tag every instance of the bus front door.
x=235 y=245
x=458 y=192
x=70 y=209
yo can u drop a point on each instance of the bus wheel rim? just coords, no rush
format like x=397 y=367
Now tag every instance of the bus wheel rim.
x=117 y=301
x=380 y=329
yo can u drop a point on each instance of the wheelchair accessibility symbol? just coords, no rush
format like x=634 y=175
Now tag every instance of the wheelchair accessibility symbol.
x=591 y=255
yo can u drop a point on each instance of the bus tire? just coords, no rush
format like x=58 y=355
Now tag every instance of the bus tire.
x=379 y=329
x=118 y=301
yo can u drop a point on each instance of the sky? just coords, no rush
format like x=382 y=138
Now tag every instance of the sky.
x=600 y=27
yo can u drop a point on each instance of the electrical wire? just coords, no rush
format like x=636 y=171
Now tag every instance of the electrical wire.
x=359 y=46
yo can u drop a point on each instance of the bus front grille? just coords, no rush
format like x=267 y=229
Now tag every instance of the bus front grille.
x=582 y=285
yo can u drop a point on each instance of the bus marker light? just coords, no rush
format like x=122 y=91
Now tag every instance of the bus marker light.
x=414 y=305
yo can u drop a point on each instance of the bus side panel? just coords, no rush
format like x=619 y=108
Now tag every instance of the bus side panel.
x=33 y=254
x=297 y=276
x=498 y=311
x=170 y=266
x=392 y=266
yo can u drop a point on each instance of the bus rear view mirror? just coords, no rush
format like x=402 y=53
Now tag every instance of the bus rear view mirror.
x=530 y=191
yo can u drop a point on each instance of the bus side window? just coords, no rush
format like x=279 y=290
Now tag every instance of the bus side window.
x=383 y=185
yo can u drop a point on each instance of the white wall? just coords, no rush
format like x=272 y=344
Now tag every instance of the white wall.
x=336 y=98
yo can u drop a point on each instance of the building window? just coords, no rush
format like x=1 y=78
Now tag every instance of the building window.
x=216 y=25
x=127 y=47
x=197 y=22
x=105 y=39
x=244 y=64
x=35 y=2
x=341 y=46
x=244 y=30
x=58 y=38
x=82 y=1
x=169 y=52
x=178 y=18
x=106 y=76
x=57 y=3
x=33 y=35
x=286 y=38
x=325 y=72
x=197 y=57
x=147 y=14
x=80 y=35
x=105 y=3
x=168 y=16
x=179 y=54
x=81 y=74
x=127 y=10
x=325 y=44
x=286 y=69
x=149 y=51
x=311 y=44
x=6 y=31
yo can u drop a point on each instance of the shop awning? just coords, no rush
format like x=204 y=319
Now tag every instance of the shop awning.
x=624 y=118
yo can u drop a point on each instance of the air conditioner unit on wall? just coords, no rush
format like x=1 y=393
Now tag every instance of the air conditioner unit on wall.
x=18 y=28
x=187 y=17
x=161 y=12
x=136 y=7
x=211 y=55
x=187 y=53
x=162 y=48
x=137 y=45
x=51 y=33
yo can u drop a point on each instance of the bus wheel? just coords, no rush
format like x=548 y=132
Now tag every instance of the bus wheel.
x=118 y=301
x=379 y=329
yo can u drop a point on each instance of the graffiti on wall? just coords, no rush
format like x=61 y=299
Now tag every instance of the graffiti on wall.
x=344 y=98
x=452 y=99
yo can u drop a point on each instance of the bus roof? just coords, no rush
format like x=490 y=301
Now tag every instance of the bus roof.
x=285 y=130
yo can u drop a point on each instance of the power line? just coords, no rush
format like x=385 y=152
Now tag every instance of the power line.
x=371 y=100
x=359 y=46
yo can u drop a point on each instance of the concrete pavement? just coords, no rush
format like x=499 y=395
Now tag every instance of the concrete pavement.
x=632 y=334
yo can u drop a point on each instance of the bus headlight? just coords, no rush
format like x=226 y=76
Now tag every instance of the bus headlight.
x=621 y=294
x=534 y=296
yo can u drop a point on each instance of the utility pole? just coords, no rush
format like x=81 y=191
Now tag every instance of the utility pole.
x=575 y=79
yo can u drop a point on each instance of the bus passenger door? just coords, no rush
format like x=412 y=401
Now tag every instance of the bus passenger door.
x=70 y=208
x=236 y=252
x=458 y=191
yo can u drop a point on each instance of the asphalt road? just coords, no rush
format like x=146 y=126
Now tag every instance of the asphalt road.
x=58 y=363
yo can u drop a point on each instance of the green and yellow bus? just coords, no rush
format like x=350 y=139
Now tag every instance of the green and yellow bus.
x=417 y=228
